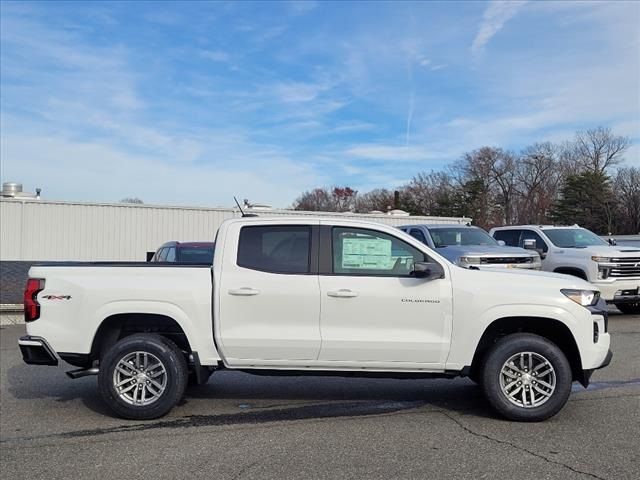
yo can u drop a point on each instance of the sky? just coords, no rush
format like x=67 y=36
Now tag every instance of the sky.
x=192 y=103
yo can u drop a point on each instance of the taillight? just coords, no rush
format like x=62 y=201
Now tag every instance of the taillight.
x=31 y=305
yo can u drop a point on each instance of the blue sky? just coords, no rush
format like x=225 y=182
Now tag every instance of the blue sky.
x=192 y=103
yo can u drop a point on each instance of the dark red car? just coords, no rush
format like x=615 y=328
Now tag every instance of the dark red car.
x=185 y=252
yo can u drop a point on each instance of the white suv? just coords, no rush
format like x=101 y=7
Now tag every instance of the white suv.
x=615 y=270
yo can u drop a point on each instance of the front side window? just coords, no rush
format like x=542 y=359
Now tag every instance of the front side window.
x=443 y=237
x=574 y=238
x=171 y=254
x=359 y=251
x=531 y=235
x=275 y=249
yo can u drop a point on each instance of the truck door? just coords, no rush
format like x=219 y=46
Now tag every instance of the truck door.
x=373 y=311
x=269 y=295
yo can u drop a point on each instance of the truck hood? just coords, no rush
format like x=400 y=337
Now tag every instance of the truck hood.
x=602 y=251
x=514 y=276
x=454 y=252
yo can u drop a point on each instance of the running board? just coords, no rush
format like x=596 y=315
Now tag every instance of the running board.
x=83 y=372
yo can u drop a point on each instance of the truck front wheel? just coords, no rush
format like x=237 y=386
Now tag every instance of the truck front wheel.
x=142 y=376
x=526 y=377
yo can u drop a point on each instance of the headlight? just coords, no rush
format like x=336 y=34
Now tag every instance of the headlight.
x=601 y=259
x=582 y=297
x=470 y=260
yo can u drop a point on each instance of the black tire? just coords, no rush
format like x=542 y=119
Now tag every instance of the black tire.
x=629 y=308
x=153 y=349
x=542 y=349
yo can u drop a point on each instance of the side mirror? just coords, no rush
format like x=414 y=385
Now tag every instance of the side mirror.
x=612 y=241
x=530 y=244
x=501 y=243
x=427 y=270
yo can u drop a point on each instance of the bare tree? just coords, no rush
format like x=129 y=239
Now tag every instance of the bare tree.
x=429 y=194
x=379 y=199
x=627 y=191
x=503 y=172
x=335 y=199
x=539 y=176
x=598 y=149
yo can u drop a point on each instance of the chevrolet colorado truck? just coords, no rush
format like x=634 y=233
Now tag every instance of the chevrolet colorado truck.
x=299 y=296
x=469 y=246
x=613 y=269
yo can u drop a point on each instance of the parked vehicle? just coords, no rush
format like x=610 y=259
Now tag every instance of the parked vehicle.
x=469 y=246
x=185 y=252
x=613 y=269
x=302 y=296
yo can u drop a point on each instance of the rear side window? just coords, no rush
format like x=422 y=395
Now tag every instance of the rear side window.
x=276 y=249
x=509 y=237
x=418 y=235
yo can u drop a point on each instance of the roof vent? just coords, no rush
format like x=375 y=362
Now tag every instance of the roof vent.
x=14 y=190
x=398 y=213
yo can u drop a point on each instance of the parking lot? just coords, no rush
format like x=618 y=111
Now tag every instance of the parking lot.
x=242 y=426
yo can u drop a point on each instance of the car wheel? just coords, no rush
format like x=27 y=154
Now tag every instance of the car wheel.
x=526 y=377
x=142 y=376
x=629 y=308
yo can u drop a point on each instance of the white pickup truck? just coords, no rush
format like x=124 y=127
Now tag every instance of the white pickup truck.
x=300 y=296
x=612 y=269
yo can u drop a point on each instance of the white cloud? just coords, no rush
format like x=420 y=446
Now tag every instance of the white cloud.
x=94 y=171
x=495 y=16
x=377 y=151
x=301 y=7
x=215 y=55
x=299 y=91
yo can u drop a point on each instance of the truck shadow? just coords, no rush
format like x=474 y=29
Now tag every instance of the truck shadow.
x=257 y=399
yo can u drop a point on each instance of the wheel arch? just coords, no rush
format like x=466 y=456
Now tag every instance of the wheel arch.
x=574 y=271
x=553 y=330
x=120 y=325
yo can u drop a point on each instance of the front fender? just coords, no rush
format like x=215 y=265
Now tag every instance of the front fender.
x=465 y=338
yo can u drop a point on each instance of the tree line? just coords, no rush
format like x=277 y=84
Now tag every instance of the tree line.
x=581 y=181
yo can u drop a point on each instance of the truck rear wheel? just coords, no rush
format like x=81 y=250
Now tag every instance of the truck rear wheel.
x=526 y=377
x=629 y=308
x=142 y=376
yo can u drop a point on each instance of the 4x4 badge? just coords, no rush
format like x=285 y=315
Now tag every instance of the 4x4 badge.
x=57 y=297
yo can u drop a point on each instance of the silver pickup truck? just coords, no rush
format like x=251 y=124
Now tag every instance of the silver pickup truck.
x=468 y=246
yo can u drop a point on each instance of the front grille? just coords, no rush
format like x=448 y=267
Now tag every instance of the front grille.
x=625 y=267
x=505 y=260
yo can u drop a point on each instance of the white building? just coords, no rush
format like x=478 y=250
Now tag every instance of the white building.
x=43 y=230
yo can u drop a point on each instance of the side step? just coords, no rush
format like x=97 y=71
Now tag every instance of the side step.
x=83 y=372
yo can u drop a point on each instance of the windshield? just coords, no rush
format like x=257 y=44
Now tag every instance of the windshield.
x=196 y=255
x=573 y=238
x=443 y=237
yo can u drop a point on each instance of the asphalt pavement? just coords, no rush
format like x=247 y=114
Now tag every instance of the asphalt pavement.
x=240 y=426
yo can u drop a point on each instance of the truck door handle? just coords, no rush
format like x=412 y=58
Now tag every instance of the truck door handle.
x=244 y=291
x=343 y=293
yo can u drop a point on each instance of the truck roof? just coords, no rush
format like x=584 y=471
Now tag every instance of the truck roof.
x=439 y=225
x=542 y=227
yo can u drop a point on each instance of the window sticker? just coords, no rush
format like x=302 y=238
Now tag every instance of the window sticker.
x=369 y=253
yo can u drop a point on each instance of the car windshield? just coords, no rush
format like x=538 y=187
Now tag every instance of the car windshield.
x=573 y=238
x=443 y=237
x=196 y=255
